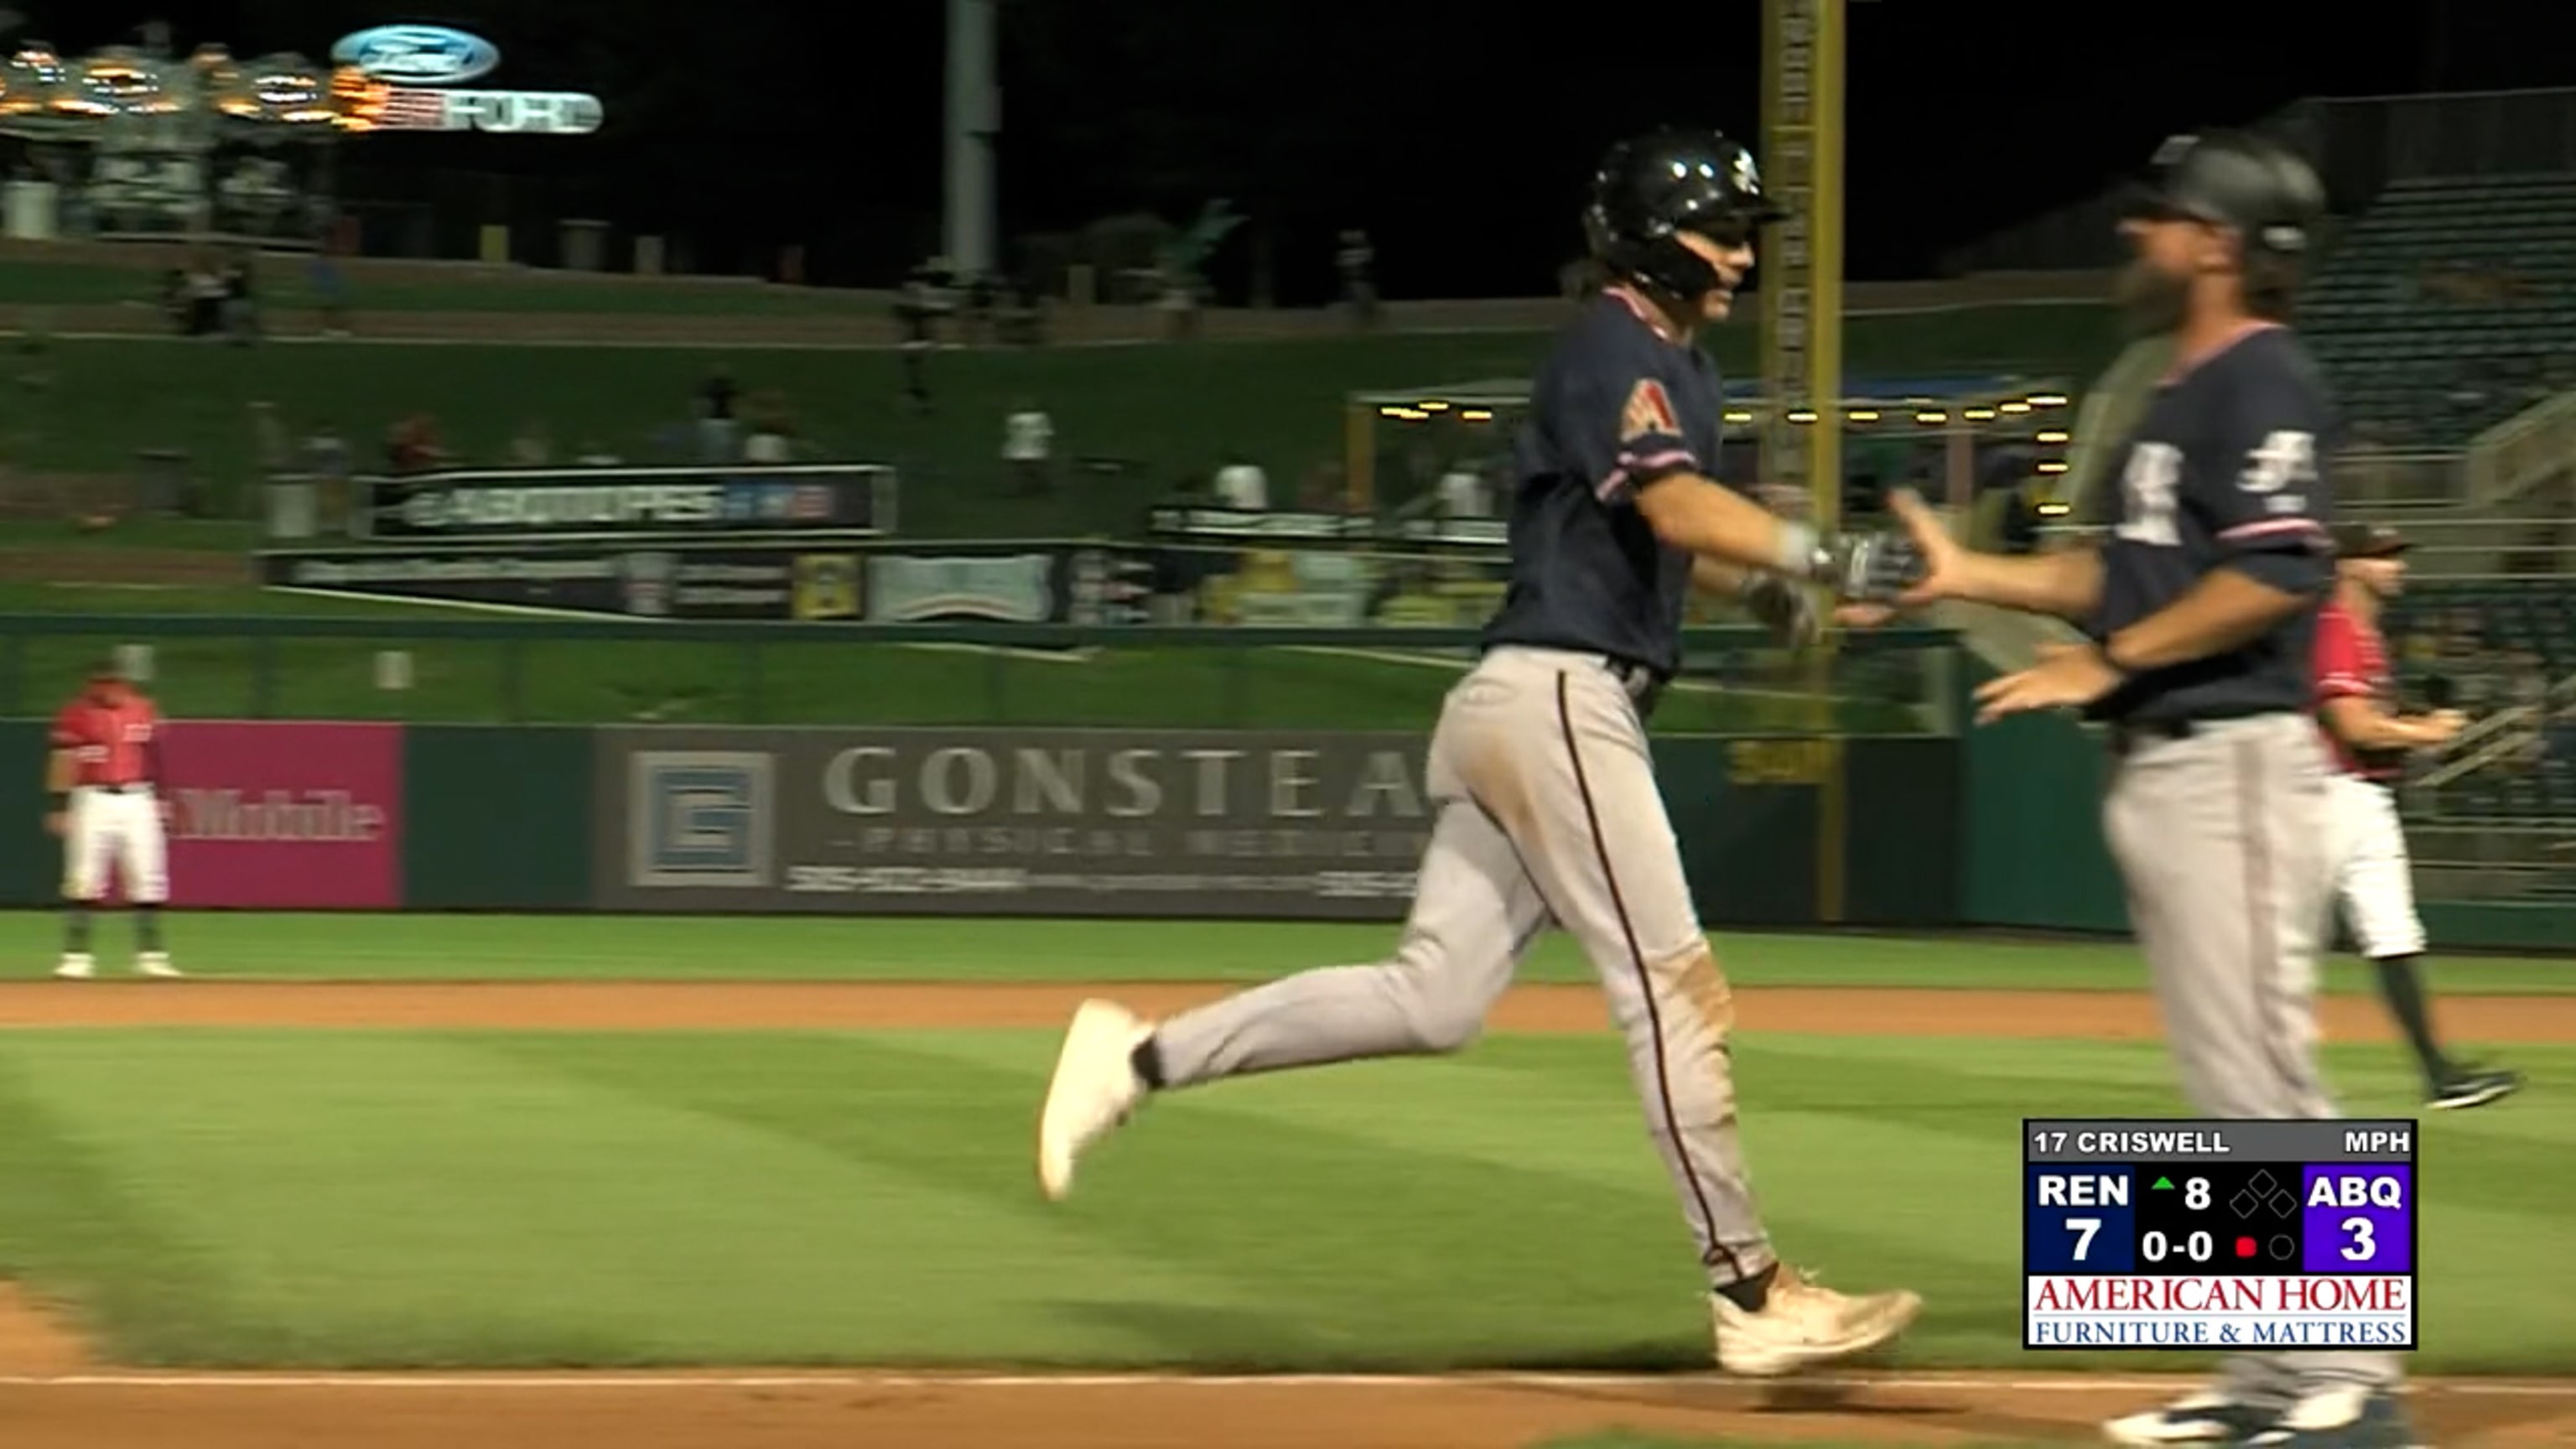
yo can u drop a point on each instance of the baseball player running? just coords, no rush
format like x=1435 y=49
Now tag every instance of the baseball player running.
x=2200 y=605
x=104 y=774
x=2373 y=879
x=1547 y=807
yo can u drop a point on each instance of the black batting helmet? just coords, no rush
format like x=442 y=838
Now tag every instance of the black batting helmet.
x=2235 y=179
x=1649 y=189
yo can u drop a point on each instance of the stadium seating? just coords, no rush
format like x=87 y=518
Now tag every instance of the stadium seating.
x=2449 y=306
x=2484 y=645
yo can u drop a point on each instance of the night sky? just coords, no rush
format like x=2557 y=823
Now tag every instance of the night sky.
x=1457 y=136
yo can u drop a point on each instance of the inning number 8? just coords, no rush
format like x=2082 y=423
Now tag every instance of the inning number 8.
x=2195 y=1194
x=2363 y=1247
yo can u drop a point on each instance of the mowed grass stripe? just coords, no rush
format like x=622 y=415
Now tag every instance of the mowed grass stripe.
x=424 y=946
x=1887 y=1165
x=71 y=1230
x=390 y=1201
x=1349 y=1257
x=526 y=1199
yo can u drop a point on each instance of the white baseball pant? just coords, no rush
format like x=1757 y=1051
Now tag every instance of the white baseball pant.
x=2374 y=881
x=122 y=827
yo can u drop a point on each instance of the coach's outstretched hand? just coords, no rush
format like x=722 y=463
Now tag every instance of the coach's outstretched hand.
x=1937 y=553
x=2067 y=676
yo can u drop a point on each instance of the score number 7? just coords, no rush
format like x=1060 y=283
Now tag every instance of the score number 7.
x=2084 y=1229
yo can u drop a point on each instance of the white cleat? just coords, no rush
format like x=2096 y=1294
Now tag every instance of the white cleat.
x=156 y=964
x=1094 y=1089
x=1803 y=1324
x=76 y=966
x=2205 y=1417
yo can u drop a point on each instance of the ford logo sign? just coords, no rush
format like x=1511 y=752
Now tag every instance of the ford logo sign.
x=421 y=55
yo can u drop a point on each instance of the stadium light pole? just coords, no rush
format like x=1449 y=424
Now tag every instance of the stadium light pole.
x=974 y=120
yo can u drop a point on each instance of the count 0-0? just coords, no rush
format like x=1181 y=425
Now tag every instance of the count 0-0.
x=2155 y=1246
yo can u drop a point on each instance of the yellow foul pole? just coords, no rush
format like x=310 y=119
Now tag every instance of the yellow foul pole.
x=1802 y=333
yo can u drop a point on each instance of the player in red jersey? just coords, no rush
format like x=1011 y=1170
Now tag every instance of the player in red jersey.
x=2374 y=885
x=105 y=775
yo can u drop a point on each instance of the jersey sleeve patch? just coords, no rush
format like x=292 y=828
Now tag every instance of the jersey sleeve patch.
x=1650 y=442
x=1649 y=413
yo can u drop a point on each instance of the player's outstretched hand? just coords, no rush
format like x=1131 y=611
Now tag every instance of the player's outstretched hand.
x=2066 y=676
x=1937 y=552
x=1870 y=568
x=1783 y=608
x=54 y=822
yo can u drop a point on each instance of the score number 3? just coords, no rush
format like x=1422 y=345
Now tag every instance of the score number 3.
x=2363 y=1246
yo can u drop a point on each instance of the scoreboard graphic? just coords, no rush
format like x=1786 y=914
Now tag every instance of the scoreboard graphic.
x=2231 y=1235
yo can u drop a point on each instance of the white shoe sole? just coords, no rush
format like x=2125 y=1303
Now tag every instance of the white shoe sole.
x=2496 y=1092
x=1096 y=1047
x=158 y=973
x=2153 y=1430
x=1742 y=1355
x=74 y=973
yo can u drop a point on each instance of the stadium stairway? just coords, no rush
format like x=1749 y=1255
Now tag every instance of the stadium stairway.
x=2449 y=306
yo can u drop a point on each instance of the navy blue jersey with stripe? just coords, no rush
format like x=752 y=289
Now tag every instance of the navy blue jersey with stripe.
x=2228 y=469
x=1617 y=407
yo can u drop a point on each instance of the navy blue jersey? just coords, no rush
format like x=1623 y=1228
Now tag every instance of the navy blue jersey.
x=2226 y=470
x=1616 y=407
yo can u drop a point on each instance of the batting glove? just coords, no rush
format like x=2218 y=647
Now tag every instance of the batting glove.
x=1782 y=607
x=1870 y=568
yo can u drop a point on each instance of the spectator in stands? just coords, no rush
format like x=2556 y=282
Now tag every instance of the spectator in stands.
x=269 y=435
x=917 y=313
x=1022 y=322
x=174 y=298
x=1241 y=483
x=1463 y=492
x=773 y=432
x=1323 y=490
x=240 y=304
x=530 y=447
x=204 y=295
x=325 y=456
x=1028 y=446
x=330 y=287
x=717 y=397
x=412 y=446
x=1179 y=301
x=1357 y=260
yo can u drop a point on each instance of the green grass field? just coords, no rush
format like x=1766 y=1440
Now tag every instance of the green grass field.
x=327 y=946
x=396 y=1197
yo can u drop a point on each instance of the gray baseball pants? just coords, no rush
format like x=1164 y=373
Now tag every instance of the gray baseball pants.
x=2223 y=841
x=1548 y=812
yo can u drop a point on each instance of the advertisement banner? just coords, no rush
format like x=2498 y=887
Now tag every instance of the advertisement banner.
x=566 y=503
x=1031 y=584
x=746 y=582
x=285 y=816
x=1035 y=822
